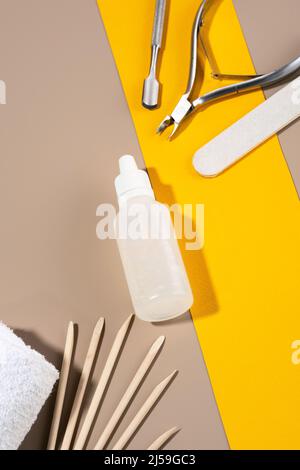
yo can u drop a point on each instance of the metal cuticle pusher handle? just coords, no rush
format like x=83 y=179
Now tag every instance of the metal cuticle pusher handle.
x=151 y=90
x=159 y=20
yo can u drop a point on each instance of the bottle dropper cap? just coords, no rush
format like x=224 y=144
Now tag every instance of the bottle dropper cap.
x=131 y=182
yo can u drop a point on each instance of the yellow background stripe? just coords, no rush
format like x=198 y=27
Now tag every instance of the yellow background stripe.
x=246 y=279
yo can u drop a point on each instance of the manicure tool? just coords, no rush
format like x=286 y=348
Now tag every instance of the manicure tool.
x=187 y=105
x=62 y=386
x=102 y=385
x=151 y=84
x=143 y=412
x=163 y=439
x=99 y=394
x=249 y=132
x=83 y=384
x=129 y=394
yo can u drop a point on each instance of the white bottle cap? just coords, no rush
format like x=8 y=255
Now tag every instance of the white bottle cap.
x=131 y=181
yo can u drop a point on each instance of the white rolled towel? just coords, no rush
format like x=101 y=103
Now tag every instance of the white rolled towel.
x=26 y=381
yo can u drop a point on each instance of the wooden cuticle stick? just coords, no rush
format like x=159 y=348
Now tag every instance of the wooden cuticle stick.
x=102 y=384
x=163 y=439
x=152 y=399
x=62 y=385
x=128 y=395
x=83 y=383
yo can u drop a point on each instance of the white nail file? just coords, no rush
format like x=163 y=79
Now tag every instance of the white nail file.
x=249 y=132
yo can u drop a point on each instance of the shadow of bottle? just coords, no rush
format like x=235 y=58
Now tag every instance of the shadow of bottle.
x=205 y=299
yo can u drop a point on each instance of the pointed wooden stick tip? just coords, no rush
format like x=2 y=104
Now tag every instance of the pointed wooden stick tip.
x=129 y=319
x=165 y=382
x=99 y=324
x=173 y=374
x=160 y=341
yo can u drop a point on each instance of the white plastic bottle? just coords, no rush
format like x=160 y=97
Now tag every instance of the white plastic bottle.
x=151 y=258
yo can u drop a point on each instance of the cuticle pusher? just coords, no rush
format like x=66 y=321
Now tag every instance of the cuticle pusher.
x=151 y=88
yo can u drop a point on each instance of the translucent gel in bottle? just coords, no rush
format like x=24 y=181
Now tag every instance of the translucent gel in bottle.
x=151 y=258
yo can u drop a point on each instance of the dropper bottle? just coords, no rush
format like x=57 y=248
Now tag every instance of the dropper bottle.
x=149 y=250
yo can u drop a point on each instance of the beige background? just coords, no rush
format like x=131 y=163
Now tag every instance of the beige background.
x=271 y=28
x=65 y=124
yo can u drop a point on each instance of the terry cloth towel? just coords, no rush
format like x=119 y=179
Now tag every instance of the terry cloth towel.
x=26 y=381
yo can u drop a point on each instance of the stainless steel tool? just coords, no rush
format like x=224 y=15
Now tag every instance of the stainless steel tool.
x=151 y=84
x=188 y=105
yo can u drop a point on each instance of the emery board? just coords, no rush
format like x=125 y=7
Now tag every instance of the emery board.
x=249 y=132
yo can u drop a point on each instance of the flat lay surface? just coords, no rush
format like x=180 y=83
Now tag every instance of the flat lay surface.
x=74 y=88
x=245 y=279
x=64 y=127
